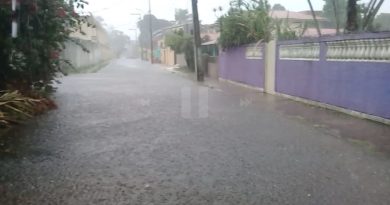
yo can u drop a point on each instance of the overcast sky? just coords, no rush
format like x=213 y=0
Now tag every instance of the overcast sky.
x=117 y=13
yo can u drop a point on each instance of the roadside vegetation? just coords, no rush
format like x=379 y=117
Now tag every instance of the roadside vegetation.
x=248 y=21
x=182 y=43
x=31 y=62
x=245 y=22
x=16 y=108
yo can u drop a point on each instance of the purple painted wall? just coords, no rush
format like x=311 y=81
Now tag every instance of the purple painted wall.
x=235 y=67
x=359 y=86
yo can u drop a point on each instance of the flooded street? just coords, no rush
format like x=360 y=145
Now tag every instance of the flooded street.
x=122 y=136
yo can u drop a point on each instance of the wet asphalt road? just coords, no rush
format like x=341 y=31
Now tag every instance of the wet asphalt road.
x=122 y=136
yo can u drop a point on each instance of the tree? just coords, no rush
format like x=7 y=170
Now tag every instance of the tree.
x=143 y=26
x=336 y=12
x=182 y=43
x=352 y=16
x=278 y=7
x=370 y=10
x=181 y=15
x=118 y=41
x=284 y=31
x=233 y=35
x=382 y=22
x=313 y=13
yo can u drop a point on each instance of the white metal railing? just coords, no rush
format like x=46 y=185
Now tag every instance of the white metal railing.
x=253 y=52
x=306 y=51
x=359 y=50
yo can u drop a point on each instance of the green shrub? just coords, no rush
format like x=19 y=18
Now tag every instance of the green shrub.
x=33 y=58
x=246 y=22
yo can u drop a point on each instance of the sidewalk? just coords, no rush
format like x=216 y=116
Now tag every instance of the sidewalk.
x=370 y=135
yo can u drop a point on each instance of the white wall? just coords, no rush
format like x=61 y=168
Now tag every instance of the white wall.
x=79 y=58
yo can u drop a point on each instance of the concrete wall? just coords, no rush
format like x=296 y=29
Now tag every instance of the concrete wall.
x=351 y=72
x=79 y=58
x=235 y=65
x=213 y=67
x=167 y=56
x=92 y=30
x=181 y=60
x=94 y=39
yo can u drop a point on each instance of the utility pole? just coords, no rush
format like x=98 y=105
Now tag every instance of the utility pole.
x=14 y=24
x=136 y=40
x=198 y=53
x=136 y=34
x=336 y=13
x=151 y=32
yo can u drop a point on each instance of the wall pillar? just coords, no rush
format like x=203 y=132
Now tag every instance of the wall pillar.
x=270 y=67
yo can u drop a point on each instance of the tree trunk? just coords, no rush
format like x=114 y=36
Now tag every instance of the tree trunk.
x=337 y=17
x=371 y=13
x=197 y=41
x=315 y=18
x=352 y=14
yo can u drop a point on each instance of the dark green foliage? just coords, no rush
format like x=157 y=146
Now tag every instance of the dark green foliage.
x=278 y=7
x=352 y=24
x=285 y=32
x=144 y=27
x=182 y=43
x=32 y=60
x=232 y=34
x=341 y=8
x=181 y=15
x=361 y=15
x=382 y=22
x=370 y=10
x=246 y=22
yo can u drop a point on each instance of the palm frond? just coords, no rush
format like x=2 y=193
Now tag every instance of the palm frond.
x=14 y=107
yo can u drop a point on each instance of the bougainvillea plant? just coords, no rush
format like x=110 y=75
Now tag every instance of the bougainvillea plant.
x=33 y=60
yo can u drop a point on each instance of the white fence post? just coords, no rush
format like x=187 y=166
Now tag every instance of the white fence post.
x=270 y=67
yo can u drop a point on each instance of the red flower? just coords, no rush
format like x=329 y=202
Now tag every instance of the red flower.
x=61 y=12
x=33 y=7
x=74 y=14
x=54 y=55
x=6 y=2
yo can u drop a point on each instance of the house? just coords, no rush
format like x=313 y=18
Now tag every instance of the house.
x=302 y=22
x=210 y=34
x=162 y=53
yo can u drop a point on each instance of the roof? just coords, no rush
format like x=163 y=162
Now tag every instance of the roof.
x=169 y=28
x=212 y=36
x=312 y=32
x=293 y=15
x=213 y=42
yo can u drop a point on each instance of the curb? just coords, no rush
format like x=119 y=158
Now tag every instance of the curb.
x=315 y=103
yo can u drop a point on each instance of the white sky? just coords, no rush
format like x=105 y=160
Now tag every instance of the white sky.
x=117 y=13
